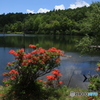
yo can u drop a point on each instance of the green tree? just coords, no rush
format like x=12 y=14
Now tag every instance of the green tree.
x=95 y=16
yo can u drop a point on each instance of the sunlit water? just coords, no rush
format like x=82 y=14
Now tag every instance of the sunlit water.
x=73 y=65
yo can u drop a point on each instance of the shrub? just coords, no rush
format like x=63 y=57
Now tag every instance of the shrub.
x=27 y=68
x=95 y=81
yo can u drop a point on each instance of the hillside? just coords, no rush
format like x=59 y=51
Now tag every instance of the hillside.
x=80 y=21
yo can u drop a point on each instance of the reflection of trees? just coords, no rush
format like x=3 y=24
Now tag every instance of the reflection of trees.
x=65 y=43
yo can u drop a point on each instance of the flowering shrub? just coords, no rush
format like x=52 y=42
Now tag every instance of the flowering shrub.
x=28 y=67
x=98 y=69
x=95 y=81
x=53 y=80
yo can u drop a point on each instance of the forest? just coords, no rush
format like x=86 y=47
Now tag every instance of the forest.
x=79 y=21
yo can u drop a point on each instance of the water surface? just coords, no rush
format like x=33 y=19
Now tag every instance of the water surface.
x=73 y=66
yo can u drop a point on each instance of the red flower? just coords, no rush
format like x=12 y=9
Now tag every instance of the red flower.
x=29 y=60
x=35 y=58
x=35 y=51
x=29 y=55
x=60 y=82
x=21 y=50
x=42 y=62
x=43 y=57
x=98 y=65
x=50 y=77
x=52 y=49
x=48 y=57
x=5 y=74
x=24 y=63
x=4 y=79
x=57 y=61
x=98 y=69
x=9 y=64
x=40 y=80
x=59 y=51
x=56 y=72
x=13 y=52
x=6 y=85
x=13 y=77
x=32 y=46
x=56 y=52
x=41 y=50
x=13 y=72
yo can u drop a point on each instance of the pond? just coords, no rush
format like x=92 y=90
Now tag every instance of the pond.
x=73 y=66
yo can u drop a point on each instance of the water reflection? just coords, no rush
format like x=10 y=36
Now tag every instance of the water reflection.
x=73 y=66
x=65 y=43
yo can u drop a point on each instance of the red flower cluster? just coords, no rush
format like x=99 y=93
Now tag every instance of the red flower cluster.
x=55 y=77
x=40 y=56
x=40 y=80
x=41 y=50
x=9 y=63
x=52 y=80
x=5 y=74
x=56 y=72
x=50 y=77
x=17 y=54
x=11 y=76
x=98 y=69
x=57 y=52
x=53 y=49
x=60 y=82
x=6 y=84
x=32 y=46
x=4 y=79
x=38 y=62
x=13 y=52
x=13 y=72
x=98 y=64
x=21 y=50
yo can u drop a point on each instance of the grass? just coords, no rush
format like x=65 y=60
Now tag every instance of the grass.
x=63 y=93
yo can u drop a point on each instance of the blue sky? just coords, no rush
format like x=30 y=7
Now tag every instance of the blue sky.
x=40 y=6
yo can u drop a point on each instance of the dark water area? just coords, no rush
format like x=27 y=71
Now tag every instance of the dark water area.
x=73 y=66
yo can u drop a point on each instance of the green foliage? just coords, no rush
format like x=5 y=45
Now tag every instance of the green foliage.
x=94 y=84
x=95 y=81
x=62 y=93
x=84 y=44
x=80 y=21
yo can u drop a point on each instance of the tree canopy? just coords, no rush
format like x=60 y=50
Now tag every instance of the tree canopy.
x=79 y=21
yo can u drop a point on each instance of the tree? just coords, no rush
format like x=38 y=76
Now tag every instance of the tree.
x=95 y=16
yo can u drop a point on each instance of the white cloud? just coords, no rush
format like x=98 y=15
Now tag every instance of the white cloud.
x=44 y=10
x=41 y=10
x=59 y=7
x=30 y=11
x=78 y=3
